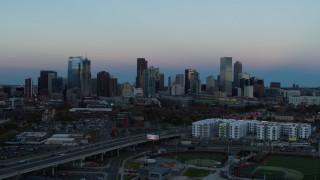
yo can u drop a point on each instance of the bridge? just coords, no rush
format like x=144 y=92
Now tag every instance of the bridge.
x=78 y=153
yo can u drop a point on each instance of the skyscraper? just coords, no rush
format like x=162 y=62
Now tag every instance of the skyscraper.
x=160 y=83
x=86 y=77
x=113 y=87
x=45 y=82
x=79 y=74
x=192 y=81
x=57 y=84
x=28 y=88
x=103 y=81
x=237 y=70
x=180 y=79
x=187 y=78
x=226 y=75
x=210 y=84
x=94 y=86
x=151 y=78
x=142 y=64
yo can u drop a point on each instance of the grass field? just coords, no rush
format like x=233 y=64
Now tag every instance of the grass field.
x=184 y=157
x=289 y=165
x=131 y=165
x=270 y=174
x=194 y=173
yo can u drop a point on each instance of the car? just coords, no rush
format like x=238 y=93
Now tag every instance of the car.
x=22 y=161
x=62 y=154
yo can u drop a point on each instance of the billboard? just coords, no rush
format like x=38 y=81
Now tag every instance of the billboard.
x=152 y=137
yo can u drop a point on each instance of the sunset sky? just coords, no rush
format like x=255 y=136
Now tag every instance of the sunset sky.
x=274 y=40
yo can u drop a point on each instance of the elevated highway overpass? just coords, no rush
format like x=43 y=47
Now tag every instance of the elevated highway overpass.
x=78 y=153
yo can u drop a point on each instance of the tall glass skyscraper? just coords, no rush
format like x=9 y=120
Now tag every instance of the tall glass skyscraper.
x=142 y=64
x=192 y=81
x=151 y=77
x=79 y=74
x=237 y=70
x=226 y=75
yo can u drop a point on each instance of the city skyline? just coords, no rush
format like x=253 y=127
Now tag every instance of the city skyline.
x=275 y=41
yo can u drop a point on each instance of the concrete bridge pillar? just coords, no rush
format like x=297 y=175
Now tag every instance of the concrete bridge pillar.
x=81 y=162
x=52 y=170
x=101 y=157
x=118 y=152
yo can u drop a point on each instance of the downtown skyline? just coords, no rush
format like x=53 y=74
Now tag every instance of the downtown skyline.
x=275 y=41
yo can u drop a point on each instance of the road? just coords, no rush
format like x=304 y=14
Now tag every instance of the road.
x=33 y=164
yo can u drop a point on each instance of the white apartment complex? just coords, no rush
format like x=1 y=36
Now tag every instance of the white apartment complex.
x=235 y=129
x=273 y=131
x=308 y=100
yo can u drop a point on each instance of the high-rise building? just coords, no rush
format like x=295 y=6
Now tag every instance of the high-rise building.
x=28 y=88
x=244 y=80
x=94 y=86
x=210 y=84
x=142 y=64
x=75 y=67
x=127 y=89
x=151 y=78
x=171 y=82
x=160 y=85
x=226 y=75
x=258 y=87
x=86 y=77
x=187 y=80
x=237 y=70
x=45 y=82
x=103 y=81
x=195 y=83
x=79 y=74
x=113 y=87
x=180 y=79
x=57 y=84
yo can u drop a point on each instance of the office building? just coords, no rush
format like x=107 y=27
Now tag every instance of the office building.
x=210 y=85
x=86 y=77
x=79 y=74
x=192 y=81
x=57 y=84
x=171 y=83
x=142 y=64
x=226 y=75
x=45 y=82
x=187 y=79
x=248 y=91
x=113 y=87
x=28 y=88
x=127 y=90
x=151 y=78
x=258 y=87
x=160 y=83
x=94 y=86
x=103 y=81
x=180 y=79
x=237 y=70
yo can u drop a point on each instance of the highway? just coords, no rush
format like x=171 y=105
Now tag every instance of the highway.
x=52 y=160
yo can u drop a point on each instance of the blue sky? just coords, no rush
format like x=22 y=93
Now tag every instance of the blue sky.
x=275 y=40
